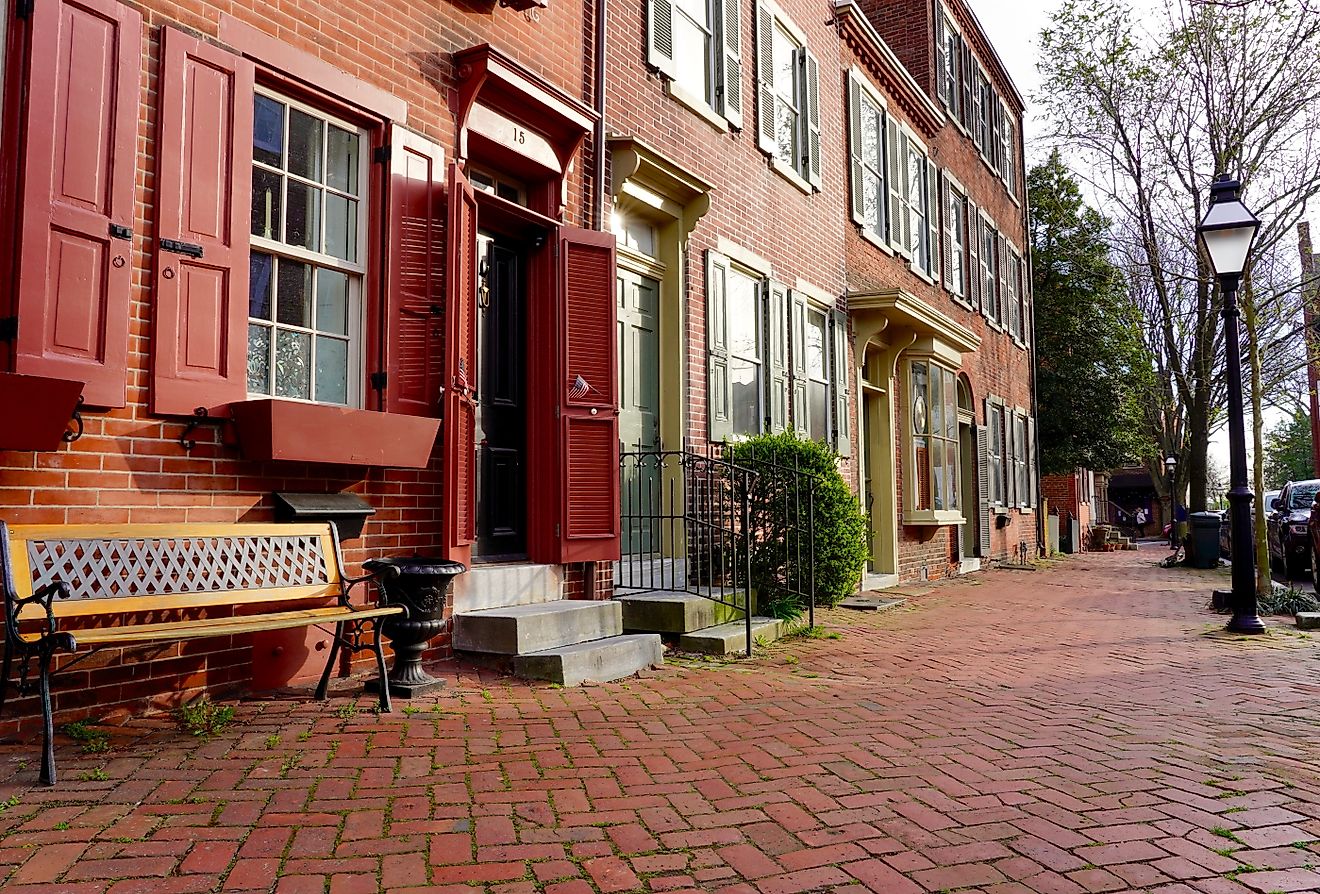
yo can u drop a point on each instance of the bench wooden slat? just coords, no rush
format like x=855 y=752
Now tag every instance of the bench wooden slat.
x=176 y=630
x=71 y=608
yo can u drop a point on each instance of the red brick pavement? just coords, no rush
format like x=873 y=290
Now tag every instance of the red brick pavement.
x=1078 y=729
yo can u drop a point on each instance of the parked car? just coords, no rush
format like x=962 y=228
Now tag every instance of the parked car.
x=1226 y=524
x=1288 y=527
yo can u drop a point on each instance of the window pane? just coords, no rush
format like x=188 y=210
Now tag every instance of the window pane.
x=951 y=464
x=744 y=316
x=293 y=301
x=268 y=131
x=937 y=473
x=304 y=216
x=341 y=219
x=786 y=132
x=871 y=200
x=305 y=145
x=692 y=56
x=950 y=405
x=332 y=302
x=266 y=187
x=745 y=378
x=919 y=399
x=342 y=160
x=870 y=136
x=818 y=422
x=921 y=473
x=259 y=283
x=936 y=401
x=258 y=359
x=292 y=370
x=815 y=345
x=331 y=370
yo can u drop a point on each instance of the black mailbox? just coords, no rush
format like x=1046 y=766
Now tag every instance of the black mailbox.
x=349 y=512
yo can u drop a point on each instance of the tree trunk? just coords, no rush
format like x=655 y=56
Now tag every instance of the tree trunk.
x=1259 y=533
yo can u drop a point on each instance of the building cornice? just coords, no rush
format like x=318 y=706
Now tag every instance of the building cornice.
x=881 y=63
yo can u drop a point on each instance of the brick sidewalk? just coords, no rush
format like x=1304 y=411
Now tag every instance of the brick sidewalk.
x=1078 y=729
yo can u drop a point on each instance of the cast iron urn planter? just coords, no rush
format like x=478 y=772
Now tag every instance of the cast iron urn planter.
x=419 y=584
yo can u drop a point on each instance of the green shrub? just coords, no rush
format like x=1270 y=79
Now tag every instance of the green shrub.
x=781 y=505
x=1287 y=602
x=203 y=718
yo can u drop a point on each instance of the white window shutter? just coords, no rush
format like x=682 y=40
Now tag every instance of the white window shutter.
x=973 y=257
x=798 y=331
x=660 y=36
x=983 y=489
x=933 y=212
x=776 y=296
x=896 y=180
x=840 y=383
x=855 y=149
x=1031 y=462
x=765 y=78
x=941 y=82
x=947 y=223
x=812 y=117
x=719 y=393
x=730 y=30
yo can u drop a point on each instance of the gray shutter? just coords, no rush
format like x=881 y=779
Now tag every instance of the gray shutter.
x=660 y=36
x=855 y=149
x=946 y=234
x=1001 y=278
x=812 y=99
x=1010 y=458
x=776 y=296
x=730 y=30
x=983 y=490
x=1032 y=481
x=941 y=82
x=765 y=79
x=967 y=77
x=719 y=395
x=973 y=256
x=798 y=328
x=933 y=220
x=1013 y=309
x=841 y=382
x=896 y=180
x=1024 y=295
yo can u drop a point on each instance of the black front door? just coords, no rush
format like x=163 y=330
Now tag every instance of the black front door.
x=502 y=413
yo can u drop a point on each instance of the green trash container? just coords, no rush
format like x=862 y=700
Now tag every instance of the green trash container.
x=1203 y=544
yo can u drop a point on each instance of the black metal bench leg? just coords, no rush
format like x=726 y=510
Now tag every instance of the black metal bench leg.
x=380 y=665
x=4 y=674
x=47 y=724
x=324 y=686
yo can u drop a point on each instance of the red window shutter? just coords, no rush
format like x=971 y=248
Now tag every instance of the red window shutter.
x=79 y=163
x=460 y=445
x=589 y=421
x=203 y=190
x=416 y=275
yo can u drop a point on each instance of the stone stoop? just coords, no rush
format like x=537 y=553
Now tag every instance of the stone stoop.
x=695 y=623
x=569 y=642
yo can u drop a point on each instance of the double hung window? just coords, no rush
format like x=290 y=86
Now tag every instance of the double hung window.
x=697 y=44
x=746 y=352
x=307 y=253
x=989 y=251
x=869 y=149
x=788 y=97
x=955 y=228
x=933 y=434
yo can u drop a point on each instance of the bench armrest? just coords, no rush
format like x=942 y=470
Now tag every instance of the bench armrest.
x=44 y=597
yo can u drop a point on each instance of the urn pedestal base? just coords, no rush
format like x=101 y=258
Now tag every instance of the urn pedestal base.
x=420 y=585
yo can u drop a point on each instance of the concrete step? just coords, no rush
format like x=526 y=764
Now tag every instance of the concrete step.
x=669 y=611
x=599 y=661
x=731 y=638
x=519 y=629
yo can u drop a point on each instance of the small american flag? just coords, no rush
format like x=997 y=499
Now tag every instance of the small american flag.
x=579 y=388
x=461 y=380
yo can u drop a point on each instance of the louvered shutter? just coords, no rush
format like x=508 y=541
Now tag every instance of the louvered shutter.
x=841 y=384
x=1033 y=480
x=812 y=98
x=660 y=36
x=896 y=180
x=967 y=77
x=719 y=397
x=995 y=149
x=79 y=164
x=941 y=82
x=933 y=220
x=946 y=235
x=855 y=150
x=776 y=315
x=730 y=29
x=203 y=190
x=460 y=369
x=1010 y=457
x=1000 y=268
x=973 y=257
x=1024 y=295
x=983 y=490
x=801 y=415
x=765 y=78
x=415 y=290
x=589 y=417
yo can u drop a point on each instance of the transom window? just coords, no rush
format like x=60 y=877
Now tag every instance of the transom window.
x=498 y=185
x=308 y=253
x=746 y=356
x=934 y=437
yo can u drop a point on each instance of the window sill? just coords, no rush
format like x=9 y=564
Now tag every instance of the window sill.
x=270 y=429
x=790 y=174
x=916 y=517
x=700 y=107
x=875 y=240
x=35 y=411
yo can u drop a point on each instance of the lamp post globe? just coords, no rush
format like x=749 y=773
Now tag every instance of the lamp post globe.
x=1226 y=235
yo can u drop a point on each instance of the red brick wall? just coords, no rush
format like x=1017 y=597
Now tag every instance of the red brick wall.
x=129 y=465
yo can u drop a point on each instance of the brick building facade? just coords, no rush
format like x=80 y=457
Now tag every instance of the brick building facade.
x=275 y=245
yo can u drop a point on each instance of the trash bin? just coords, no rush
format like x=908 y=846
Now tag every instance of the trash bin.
x=1203 y=545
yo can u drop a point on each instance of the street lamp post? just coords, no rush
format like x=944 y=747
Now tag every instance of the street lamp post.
x=1170 y=468
x=1226 y=235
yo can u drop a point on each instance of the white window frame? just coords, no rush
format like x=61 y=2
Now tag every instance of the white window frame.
x=354 y=271
x=989 y=272
x=723 y=60
x=796 y=170
x=955 y=223
x=875 y=231
x=913 y=515
x=759 y=282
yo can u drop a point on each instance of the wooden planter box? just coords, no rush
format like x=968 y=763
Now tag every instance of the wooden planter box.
x=35 y=411
x=288 y=430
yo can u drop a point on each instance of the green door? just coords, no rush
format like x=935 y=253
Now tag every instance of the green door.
x=639 y=407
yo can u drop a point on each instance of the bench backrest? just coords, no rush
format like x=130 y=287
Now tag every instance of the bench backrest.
x=126 y=568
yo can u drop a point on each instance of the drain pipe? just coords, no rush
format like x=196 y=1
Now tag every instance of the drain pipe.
x=598 y=149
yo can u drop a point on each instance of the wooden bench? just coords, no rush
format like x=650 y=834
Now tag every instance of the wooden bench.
x=82 y=588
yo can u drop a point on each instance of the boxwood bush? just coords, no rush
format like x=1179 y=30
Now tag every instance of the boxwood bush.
x=781 y=504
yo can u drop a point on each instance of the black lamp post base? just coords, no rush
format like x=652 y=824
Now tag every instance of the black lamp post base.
x=1246 y=624
x=409 y=689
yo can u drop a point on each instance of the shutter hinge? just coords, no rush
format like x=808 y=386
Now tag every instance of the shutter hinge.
x=557 y=529
x=381 y=155
x=23 y=9
x=8 y=328
x=379 y=380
